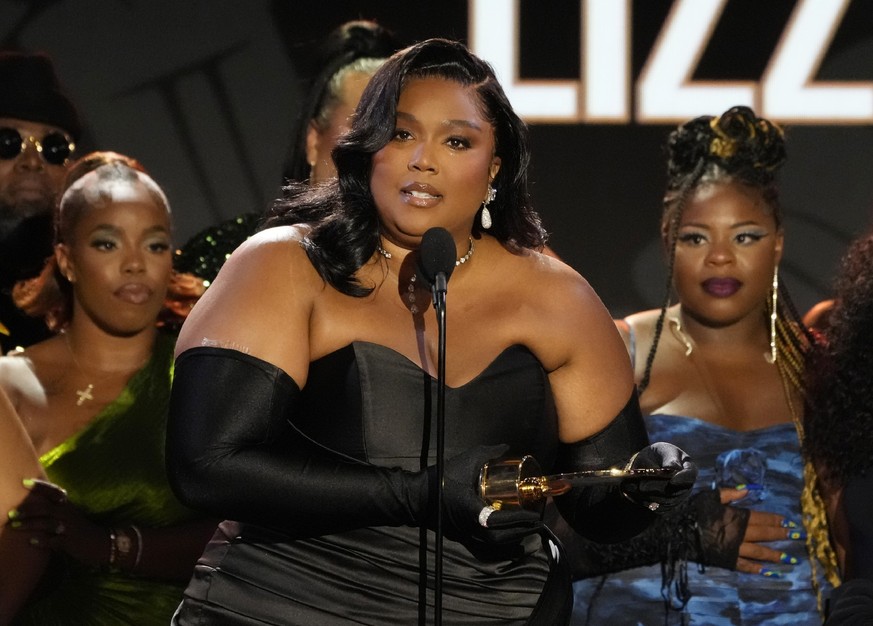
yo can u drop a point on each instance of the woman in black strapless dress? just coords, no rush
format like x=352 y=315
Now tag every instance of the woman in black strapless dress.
x=305 y=398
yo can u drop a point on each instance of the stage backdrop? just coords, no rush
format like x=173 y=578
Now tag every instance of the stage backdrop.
x=204 y=92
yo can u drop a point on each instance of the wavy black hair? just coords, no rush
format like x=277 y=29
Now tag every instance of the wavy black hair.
x=839 y=419
x=342 y=214
x=347 y=45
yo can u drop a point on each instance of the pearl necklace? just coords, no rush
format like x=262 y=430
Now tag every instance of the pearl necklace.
x=460 y=260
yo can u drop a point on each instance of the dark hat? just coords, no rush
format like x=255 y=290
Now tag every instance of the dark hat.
x=29 y=90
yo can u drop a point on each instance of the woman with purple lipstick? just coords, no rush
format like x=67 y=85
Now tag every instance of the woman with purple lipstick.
x=720 y=376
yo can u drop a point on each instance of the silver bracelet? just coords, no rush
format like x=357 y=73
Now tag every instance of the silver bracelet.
x=138 y=533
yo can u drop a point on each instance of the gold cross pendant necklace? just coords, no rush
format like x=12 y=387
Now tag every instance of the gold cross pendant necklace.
x=84 y=394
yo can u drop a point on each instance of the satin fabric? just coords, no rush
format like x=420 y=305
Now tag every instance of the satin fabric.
x=370 y=403
x=114 y=470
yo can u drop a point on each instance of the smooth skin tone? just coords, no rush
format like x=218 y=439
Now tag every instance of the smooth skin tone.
x=28 y=182
x=320 y=141
x=118 y=259
x=434 y=172
x=728 y=245
x=19 y=463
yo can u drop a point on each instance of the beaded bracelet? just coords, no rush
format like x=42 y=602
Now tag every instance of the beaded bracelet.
x=113 y=551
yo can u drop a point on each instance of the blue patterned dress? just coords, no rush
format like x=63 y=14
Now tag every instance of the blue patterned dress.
x=768 y=458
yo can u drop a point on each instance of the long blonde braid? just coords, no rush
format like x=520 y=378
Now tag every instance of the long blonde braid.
x=793 y=344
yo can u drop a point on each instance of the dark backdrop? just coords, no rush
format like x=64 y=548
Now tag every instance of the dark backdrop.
x=204 y=92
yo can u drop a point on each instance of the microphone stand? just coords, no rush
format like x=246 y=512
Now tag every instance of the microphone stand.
x=439 y=303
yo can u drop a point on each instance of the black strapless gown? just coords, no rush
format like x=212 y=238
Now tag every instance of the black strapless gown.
x=368 y=402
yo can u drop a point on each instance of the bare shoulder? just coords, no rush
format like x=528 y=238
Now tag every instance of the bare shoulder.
x=266 y=285
x=555 y=288
x=573 y=335
x=19 y=379
x=14 y=367
x=642 y=326
x=643 y=323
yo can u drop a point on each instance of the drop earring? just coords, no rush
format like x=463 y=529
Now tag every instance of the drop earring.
x=770 y=357
x=485 y=217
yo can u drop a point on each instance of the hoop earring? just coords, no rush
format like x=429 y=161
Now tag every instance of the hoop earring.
x=485 y=217
x=770 y=357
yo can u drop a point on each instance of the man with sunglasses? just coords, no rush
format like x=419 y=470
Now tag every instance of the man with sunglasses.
x=39 y=127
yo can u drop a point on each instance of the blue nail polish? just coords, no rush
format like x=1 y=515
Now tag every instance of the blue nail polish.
x=787 y=559
x=796 y=534
x=787 y=523
x=770 y=573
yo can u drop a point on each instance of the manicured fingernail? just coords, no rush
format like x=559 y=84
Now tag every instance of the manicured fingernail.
x=770 y=573
x=13 y=513
x=796 y=534
x=788 y=559
x=749 y=487
x=34 y=541
x=15 y=524
x=787 y=523
x=28 y=482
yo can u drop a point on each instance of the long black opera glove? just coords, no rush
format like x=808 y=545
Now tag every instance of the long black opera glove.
x=232 y=451
x=609 y=514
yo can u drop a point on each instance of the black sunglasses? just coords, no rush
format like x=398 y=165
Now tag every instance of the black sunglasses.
x=55 y=147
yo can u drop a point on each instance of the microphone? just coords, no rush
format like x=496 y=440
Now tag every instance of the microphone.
x=436 y=259
x=436 y=262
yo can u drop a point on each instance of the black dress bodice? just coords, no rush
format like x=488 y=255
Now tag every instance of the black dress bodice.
x=372 y=405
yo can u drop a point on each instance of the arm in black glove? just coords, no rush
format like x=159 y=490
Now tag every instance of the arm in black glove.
x=608 y=514
x=232 y=451
x=701 y=529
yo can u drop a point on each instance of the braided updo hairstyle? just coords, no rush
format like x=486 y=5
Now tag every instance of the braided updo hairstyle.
x=739 y=146
x=735 y=146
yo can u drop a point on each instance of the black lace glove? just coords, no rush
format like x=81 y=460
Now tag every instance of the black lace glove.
x=462 y=504
x=661 y=494
x=701 y=529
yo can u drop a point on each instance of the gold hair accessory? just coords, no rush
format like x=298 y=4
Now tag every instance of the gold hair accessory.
x=721 y=145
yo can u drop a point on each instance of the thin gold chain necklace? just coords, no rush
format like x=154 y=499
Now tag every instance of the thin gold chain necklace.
x=86 y=394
